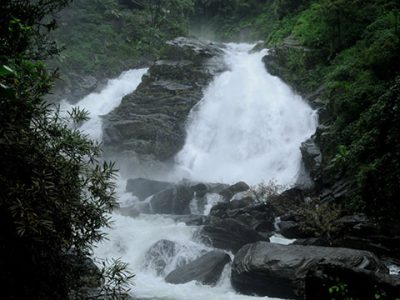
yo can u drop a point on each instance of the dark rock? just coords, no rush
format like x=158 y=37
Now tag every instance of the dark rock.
x=161 y=254
x=228 y=234
x=291 y=230
x=200 y=189
x=256 y=216
x=238 y=187
x=338 y=191
x=172 y=201
x=274 y=270
x=143 y=188
x=312 y=157
x=151 y=121
x=206 y=269
x=358 y=283
x=312 y=242
x=286 y=202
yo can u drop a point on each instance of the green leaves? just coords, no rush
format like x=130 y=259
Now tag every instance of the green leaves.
x=6 y=71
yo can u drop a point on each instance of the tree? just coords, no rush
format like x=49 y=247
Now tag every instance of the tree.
x=54 y=193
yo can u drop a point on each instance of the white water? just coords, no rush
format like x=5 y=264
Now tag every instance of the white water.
x=249 y=126
x=99 y=104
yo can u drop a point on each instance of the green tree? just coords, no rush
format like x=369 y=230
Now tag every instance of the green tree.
x=54 y=193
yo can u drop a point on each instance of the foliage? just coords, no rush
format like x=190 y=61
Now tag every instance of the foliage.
x=104 y=37
x=117 y=279
x=55 y=195
x=318 y=219
x=262 y=191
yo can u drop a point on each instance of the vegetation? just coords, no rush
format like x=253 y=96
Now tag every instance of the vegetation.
x=55 y=195
x=105 y=37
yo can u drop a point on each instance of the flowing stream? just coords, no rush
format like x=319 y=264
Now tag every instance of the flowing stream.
x=248 y=126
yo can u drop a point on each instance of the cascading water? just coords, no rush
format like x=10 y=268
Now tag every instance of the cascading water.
x=248 y=127
x=99 y=104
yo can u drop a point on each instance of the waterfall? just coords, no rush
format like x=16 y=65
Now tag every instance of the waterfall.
x=249 y=126
x=99 y=104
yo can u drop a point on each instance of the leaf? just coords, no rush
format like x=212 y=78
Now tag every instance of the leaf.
x=6 y=71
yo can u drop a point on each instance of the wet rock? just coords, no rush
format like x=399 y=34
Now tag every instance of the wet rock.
x=143 y=188
x=286 y=202
x=161 y=254
x=228 y=234
x=291 y=230
x=151 y=121
x=238 y=187
x=173 y=201
x=337 y=191
x=312 y=157
x=280 y=271
x=259 y=217
x=360 y=283
x=206 y=269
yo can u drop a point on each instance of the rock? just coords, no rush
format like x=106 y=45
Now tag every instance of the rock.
x=275 y=270
x=174 y=201
x=228 y=234
x=151 y=121
x=291 y=230
x=162 y=254
x=132 y=211
x=256 y=216
x=238 y=187
x=192 y=220
x=258 y=47
x=286 y=202
x=358 y=283
x=200 y=189
x=135 y=209
x=206 y=269
x=312 y=157
x=143 y=188
x=337 y=191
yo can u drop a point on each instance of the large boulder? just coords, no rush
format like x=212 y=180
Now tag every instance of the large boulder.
x=291 y=230
x=150 y=122
x=206 y=269
x=275 y=270
x=173 y=201
x=165 y=255
x=230 y=191
x=160 y=255
x=228 y=234
x=256 y=216
x=143 y=188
